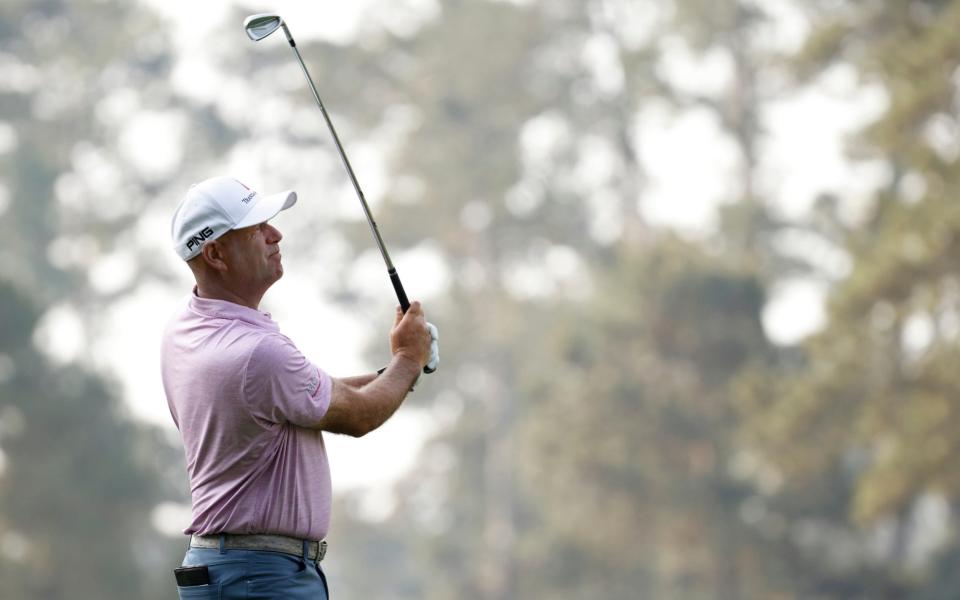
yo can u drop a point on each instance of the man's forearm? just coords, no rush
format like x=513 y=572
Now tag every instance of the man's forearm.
x=358 y=381
x=385 y=393
x=359 y=410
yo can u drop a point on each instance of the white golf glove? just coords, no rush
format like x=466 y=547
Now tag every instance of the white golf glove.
x=434 y=349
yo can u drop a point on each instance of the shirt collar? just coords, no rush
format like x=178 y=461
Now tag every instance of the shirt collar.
x=224 y=309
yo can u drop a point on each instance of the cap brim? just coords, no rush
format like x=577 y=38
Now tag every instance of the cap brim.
x=267 y=208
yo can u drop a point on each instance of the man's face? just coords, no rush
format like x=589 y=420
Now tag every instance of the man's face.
x=253 y=256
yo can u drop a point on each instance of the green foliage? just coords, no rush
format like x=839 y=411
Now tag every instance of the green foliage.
x=867 y=416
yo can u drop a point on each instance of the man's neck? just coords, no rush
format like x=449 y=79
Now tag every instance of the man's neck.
x=215 y=292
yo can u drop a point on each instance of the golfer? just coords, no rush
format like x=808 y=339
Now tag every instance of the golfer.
x=251 y=408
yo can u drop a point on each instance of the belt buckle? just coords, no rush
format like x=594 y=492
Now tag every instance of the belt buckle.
x=321 y=551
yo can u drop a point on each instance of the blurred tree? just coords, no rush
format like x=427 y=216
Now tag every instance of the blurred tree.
x=865 y=418
x=79 y=478
x=638 y=431
x=586 y=359
x=509 y=150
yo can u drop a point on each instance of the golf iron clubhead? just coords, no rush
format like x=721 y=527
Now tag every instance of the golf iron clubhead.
x=262 y=25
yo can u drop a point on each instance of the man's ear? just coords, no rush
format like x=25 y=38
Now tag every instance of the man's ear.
x=213 y=254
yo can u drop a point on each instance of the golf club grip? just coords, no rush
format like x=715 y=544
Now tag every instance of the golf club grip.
x=402 y=297
x=398 y=288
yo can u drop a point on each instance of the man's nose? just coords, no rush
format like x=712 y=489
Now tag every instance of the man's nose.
x=273 y=234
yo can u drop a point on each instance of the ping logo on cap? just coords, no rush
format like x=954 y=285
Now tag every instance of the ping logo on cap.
x=196 y=240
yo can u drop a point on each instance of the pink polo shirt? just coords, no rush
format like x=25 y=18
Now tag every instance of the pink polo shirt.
x=245 y=399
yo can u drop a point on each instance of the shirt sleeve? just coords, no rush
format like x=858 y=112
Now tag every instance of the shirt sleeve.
x=281 y=385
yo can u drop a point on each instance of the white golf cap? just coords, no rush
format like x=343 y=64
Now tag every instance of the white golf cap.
x=215 y=206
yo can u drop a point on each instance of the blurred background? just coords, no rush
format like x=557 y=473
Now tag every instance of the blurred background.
x=692 y=263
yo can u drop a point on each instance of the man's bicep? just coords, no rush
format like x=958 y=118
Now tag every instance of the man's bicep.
x=281 y=385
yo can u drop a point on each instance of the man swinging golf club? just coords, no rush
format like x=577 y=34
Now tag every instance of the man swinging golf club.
x=251 y=408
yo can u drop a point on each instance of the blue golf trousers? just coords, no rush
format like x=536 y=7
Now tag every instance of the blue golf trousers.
x=251 y=574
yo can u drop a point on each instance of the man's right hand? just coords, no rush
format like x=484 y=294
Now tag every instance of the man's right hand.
x=410 y=337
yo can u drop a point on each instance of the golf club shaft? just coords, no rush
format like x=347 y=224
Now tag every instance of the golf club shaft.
x=391 y=270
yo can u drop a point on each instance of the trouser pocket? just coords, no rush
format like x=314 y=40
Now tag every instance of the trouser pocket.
x=199 y=592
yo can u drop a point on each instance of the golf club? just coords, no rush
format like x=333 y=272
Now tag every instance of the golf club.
x=260 y=26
